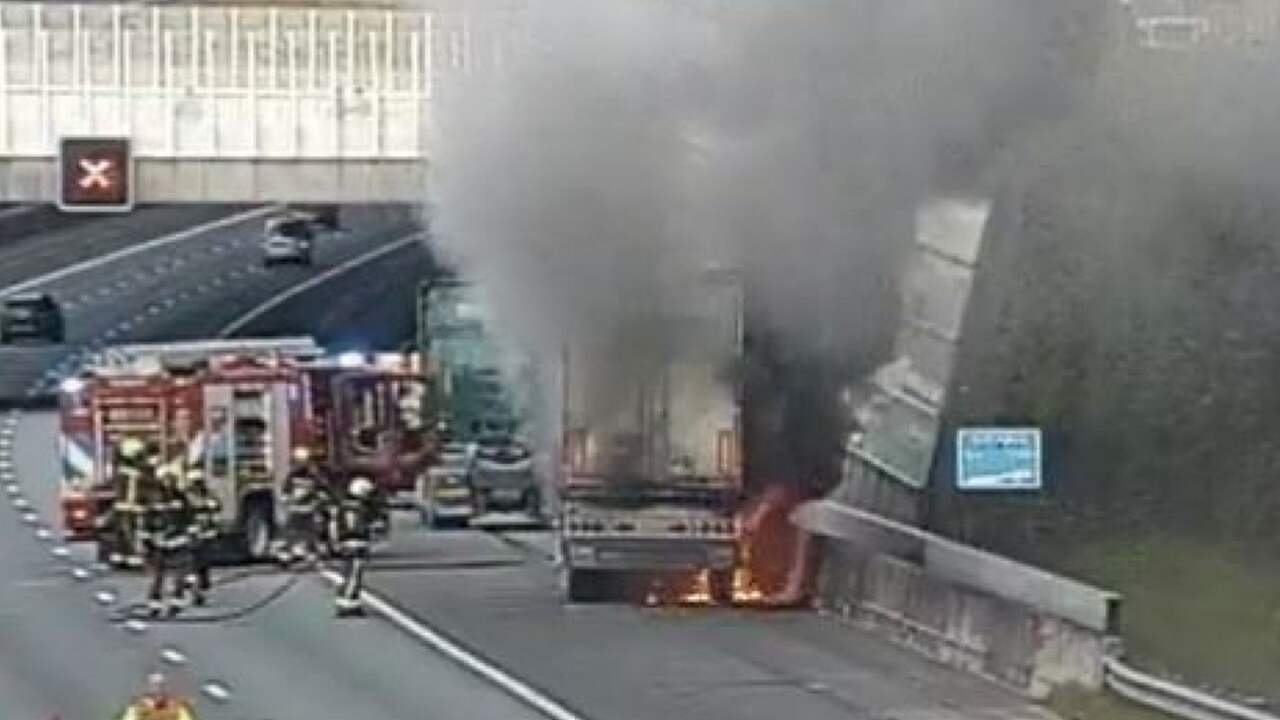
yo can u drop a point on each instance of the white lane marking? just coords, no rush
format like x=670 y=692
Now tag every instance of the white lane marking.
x=44 y=534
x=216 y=691
x=61 y=551
x=104 y=597
x=173 y=656
x=31 y=518
x=514 y=686
x=80 y=574
x=135 y=626
x=21 y=503
x=143 y=247
x=300 y=288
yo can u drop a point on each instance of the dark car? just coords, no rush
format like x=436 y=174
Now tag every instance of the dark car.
x=32 y=315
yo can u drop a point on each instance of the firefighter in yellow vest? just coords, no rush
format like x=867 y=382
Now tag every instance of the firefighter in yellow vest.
x=354 y=529
x=165 y=534
x=123 y=521
x=157 y=703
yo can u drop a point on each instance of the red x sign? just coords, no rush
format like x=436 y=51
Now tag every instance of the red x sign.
x=95 y=174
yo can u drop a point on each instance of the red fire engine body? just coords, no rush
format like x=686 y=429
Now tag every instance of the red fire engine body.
x=238 y=410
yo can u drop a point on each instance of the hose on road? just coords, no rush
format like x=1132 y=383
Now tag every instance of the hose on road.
x=140 y=610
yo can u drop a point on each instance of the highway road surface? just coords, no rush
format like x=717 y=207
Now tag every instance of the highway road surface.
x=487 y=635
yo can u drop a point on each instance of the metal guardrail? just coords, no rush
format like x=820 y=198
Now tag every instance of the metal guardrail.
x=1176 y=700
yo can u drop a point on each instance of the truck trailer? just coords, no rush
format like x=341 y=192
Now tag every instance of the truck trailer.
x=650 y=475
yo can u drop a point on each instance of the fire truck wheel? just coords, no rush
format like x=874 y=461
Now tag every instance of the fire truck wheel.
x=258 y=531
x=720 y=586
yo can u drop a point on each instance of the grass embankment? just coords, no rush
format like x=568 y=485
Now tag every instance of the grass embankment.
x=1198 y=611
x=1078 y=704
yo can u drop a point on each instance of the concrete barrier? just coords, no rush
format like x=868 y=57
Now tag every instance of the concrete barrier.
x=979 y=612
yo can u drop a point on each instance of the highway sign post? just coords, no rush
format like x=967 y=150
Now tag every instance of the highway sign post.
x=95 y=174
x=993 y=459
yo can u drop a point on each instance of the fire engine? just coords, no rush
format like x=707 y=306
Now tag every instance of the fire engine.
x=238 y=410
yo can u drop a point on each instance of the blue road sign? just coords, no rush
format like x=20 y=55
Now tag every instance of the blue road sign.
x=998 y=459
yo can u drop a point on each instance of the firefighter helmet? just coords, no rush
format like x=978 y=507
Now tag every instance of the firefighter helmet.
x=361 y=487
x=131 y=448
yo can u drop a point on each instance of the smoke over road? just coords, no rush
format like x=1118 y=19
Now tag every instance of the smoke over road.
x=633 y=138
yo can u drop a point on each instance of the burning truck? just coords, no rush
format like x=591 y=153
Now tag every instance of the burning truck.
x=650 y=479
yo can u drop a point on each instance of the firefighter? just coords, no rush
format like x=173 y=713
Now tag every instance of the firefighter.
x=355 y=527
x=165 y=534
x=204 y=509
x=123 y=520
x=303 y=495
x=157 y=703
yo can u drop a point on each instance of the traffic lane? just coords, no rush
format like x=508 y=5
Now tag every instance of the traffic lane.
x=288 y=659
x=207 y=268
x=629 y=663
x=370 y=306
x=57 y=653
x=20 y=220
x=293 y=659
x=99 y=288
x=53 y=243
x=196 y=320
x=181 y=291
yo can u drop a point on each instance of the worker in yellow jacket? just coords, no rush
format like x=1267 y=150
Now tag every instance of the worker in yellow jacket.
x=158 y=704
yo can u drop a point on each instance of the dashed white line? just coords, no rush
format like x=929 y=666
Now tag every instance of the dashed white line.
x=30 y=518
x=135 y=626
x=80 y=574
x=43 y=533
x=60 y=551
x=104 y=597
x=21 y=502
x=173 y=656
x=216 y=691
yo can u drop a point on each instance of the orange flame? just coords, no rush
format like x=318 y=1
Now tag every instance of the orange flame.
x=774 y=558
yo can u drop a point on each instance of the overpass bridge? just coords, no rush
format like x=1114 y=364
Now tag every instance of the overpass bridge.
x=222 y=102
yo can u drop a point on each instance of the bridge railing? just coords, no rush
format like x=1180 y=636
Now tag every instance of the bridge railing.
x=233 y=82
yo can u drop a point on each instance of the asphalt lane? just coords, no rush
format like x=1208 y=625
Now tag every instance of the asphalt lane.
x=59 y=240
x=184 y=290
x=289 y=660
x=372 y=306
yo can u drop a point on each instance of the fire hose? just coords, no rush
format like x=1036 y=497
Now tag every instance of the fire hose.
x=140 y=610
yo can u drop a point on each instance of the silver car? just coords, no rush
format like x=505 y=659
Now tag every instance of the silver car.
x=288 y=239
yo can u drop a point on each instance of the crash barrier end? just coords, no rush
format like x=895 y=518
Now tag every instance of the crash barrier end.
x=986 y=614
